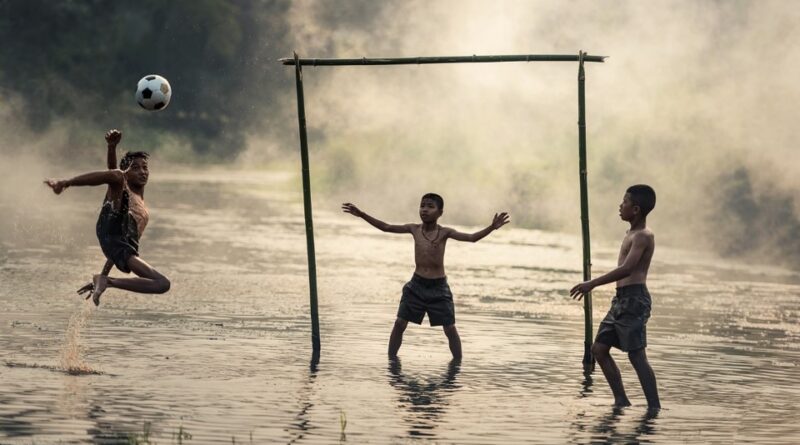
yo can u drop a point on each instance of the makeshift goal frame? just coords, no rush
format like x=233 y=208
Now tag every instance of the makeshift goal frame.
x=581 y=57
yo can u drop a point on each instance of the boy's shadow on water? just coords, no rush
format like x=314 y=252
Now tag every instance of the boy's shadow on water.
x=607 y=429
x=425 y=400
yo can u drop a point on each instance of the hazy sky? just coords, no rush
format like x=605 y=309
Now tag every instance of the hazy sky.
x=695 y=100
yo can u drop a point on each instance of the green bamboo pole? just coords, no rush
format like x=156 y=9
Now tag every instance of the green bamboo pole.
x=588 y=360
x=312 y=263
x=446 y=59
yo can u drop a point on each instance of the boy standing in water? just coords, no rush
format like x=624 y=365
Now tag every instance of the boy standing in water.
x=624 y=327
x=121 y=223
x=428 y=291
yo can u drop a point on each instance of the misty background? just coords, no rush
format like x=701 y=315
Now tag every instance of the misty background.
x=697 y=99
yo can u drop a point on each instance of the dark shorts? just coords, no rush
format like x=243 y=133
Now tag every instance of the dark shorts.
x=119 y=250
x=431 y=295
x=625 y=325
x=118 y=236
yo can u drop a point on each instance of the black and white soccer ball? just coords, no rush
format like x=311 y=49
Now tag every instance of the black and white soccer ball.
x=153 y=92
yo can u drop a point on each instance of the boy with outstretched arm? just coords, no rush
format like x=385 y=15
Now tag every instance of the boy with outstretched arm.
x=428 y=291
x=121 y=223
x=624 y=327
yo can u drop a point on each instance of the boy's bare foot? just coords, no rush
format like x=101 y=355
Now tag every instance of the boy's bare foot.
x=99 y=282
x=86 y=288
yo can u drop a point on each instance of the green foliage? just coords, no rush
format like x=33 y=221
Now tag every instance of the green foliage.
x=755 y=221
x=80 y=60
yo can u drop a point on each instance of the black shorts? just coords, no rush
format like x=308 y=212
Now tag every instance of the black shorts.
x=119 y=249
x=625 y=325
x=117 y=233
x=431 y=295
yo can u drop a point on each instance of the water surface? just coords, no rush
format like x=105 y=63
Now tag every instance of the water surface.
x=225 y=355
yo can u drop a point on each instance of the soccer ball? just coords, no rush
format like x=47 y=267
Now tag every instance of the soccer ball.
x=153 y=92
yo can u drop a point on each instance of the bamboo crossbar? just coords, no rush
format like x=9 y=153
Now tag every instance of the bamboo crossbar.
x=445 y=59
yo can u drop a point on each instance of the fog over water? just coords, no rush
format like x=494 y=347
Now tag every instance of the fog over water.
x=696 y=100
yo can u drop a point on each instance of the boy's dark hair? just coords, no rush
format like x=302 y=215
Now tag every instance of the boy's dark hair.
x=643 y=196
x=127 y=160
x=435 y=198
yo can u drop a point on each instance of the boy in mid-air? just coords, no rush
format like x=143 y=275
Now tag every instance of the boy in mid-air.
x=122 y=221
x=624 y=326
x=427 y=292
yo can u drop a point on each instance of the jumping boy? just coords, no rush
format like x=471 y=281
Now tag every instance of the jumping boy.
x=427 y=292
x=624 y=327
x=122 y=221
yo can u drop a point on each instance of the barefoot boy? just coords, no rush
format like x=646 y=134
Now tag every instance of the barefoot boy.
x=427 y=292
x=624 y=326
x=122 y=220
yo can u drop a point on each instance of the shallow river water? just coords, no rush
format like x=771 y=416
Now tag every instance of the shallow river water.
x=224 y=357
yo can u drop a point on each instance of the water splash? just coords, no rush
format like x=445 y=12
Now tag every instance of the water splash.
x=72 y=352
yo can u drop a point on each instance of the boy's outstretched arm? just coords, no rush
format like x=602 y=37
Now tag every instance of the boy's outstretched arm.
x=110 y=177
x=112 y=139
x=378 y=224
x=499 y=220
x=638 y=245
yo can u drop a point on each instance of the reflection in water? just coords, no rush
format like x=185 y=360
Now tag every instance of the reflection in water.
x=108 y=427
x=302 y=421
x=608 y=429
x=425 y=401
x=586 y=386
x=12 y=426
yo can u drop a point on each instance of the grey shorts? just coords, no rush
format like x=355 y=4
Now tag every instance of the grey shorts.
x=427 y=295
x=625 y=325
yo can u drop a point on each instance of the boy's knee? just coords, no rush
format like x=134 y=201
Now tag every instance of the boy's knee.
x=600 y=350
x=400 y=324
x=163 y=284
x=636 y=356
x=450 y=330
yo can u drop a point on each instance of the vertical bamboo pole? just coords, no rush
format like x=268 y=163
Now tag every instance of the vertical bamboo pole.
x=312 y=267
x=588 y=360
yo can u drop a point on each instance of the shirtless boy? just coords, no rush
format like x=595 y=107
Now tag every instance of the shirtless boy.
x=122 y=221
x=428 y=291
x=624 y=327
